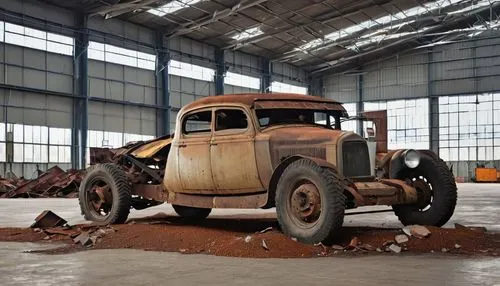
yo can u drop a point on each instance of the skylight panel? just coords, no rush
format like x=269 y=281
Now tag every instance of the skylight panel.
x=384 y=20
x=172 y=6
x=248 y=33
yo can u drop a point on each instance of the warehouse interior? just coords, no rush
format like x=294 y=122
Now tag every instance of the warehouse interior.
x=82 y=74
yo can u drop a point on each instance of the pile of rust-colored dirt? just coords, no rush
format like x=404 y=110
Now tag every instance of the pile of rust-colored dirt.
x=53 y=183
x=258 y=237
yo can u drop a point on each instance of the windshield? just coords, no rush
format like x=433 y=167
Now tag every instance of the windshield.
x=325 y=118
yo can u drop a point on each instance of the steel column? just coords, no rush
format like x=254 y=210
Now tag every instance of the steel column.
x=265 y=83
x=359 y=102
x=80 y=102
x=316 y=86
x=220 y=71
x=163 y=58
x=433 y=108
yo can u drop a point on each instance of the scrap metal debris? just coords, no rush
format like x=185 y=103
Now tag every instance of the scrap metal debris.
x=417 y=231
x=53 y=183
x=48 y=219
x=266 y=229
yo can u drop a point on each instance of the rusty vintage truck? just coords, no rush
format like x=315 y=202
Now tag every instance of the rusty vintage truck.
x=262 y=151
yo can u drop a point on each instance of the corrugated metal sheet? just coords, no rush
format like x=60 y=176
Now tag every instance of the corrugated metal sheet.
x=342 y=88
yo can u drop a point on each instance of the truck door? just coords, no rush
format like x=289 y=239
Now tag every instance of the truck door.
x=234 y=166
x=195 y=171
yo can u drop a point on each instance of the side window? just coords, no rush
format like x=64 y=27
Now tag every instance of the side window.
x=230 y=119
x=198 y=122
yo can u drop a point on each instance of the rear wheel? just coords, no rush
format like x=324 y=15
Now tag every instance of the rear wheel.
x=191 y=213
x=104 y=194
x=310 y=202
x=436 y=190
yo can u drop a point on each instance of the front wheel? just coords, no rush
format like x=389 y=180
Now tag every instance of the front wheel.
x=310 y=202
x=436 y=191
x=105 y=194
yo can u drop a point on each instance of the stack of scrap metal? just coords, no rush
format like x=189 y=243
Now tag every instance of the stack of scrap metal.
x=53 y=183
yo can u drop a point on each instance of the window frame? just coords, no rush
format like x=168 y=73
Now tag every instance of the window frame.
x=232 y=131
x=197 y=134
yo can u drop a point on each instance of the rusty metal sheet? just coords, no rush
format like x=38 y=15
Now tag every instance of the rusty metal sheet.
x=154 y=192
x=249 y=98
x=150 y=149
x=379 y=118
x=206 y=201
x=48 y=219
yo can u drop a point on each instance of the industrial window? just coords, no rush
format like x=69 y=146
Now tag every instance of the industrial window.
x=287 y=88
x=242 y=80
x=121 y=56
x=36 y=39
x=34 y=144
x=190 y=71
x=469 y=127
x=230 y=119
x=199 y=122
x=350 y=125
x=407 y=122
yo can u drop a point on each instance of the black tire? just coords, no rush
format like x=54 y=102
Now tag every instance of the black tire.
x=443 y=193
x=314 y=227
x=191 y=213
x=117 y=186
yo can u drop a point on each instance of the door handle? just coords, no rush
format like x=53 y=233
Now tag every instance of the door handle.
x=182 y=145
x=213 y=144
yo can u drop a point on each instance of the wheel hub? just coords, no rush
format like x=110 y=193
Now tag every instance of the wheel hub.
x=306 y=203
x=424 y=193
x=101 y=199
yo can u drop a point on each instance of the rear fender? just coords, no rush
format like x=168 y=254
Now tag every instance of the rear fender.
x=278 y=171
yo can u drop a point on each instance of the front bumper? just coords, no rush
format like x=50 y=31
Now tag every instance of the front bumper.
x=382 y=192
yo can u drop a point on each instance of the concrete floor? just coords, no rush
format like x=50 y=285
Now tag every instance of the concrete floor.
x=479 y=204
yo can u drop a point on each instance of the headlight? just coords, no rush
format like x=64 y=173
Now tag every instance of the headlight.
x=411 y=158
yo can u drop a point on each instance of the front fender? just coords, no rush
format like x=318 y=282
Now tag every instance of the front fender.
x=393 y=162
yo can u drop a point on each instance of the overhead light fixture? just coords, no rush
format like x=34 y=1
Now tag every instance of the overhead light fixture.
x=172 y=6
x=248 y=33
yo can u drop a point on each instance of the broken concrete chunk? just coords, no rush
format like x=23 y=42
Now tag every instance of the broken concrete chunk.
x=264 y=245
x=337 y=247
x=457 y=246
x=395 y=248
x=379 y=249
x=406 y=230
x=294 y=239
x=367 y=247
x=401 y=238
x=83 y=239
x=419 y=231
x=248 y=238
x=444 y=249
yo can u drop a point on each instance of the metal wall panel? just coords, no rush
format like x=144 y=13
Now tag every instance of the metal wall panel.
x=191 y=51
x=231 y=89
x=121 y=29
x=242 y=63
x=41 y=11
x=123 y=83
x=287 y=73
x=397 y=78
x=186 y=90
x=342 y=88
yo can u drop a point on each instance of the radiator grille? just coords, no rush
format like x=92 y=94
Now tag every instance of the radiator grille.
x=355 y=159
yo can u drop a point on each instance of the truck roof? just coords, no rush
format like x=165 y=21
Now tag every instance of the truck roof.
x=250 y=99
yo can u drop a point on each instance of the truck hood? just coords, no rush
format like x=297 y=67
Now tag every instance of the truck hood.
x=285 y=141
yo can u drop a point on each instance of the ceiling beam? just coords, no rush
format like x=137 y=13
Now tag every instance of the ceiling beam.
x=118 y=9
x=217 y=15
